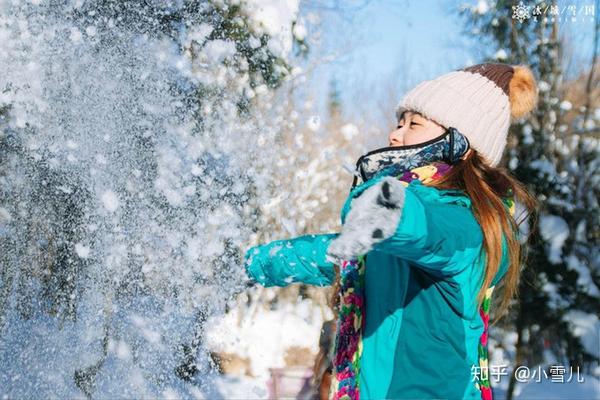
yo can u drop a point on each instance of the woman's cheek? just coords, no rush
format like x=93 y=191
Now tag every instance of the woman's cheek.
x=412 y=138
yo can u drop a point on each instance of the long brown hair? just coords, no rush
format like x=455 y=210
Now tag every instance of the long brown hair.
x=486 y=186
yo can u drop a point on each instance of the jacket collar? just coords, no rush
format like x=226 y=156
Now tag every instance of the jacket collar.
x=450 y=196
x=434 y=194
x=453 y=196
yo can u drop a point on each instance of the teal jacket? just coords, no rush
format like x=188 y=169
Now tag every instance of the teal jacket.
x=422 y=327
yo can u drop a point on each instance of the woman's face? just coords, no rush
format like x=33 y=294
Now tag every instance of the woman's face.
x=413 y=128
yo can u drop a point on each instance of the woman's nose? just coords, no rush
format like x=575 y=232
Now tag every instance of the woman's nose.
x=396 y=137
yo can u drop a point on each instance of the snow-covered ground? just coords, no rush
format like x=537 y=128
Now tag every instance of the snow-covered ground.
x=263 y=335
x=39 y=356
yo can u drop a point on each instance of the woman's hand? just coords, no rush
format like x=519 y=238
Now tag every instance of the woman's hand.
x=373 y=217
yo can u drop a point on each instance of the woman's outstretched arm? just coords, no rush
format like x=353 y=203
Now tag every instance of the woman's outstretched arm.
x=439 y=237
x=286 y=261
x=409 y=223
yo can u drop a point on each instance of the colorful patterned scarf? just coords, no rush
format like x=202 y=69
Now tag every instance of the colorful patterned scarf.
x=351 y=309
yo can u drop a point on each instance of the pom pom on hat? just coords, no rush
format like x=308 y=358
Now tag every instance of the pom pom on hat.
x=480 y=101
x=523 y=92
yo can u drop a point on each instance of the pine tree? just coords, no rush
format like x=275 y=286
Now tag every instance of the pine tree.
x=558 y=162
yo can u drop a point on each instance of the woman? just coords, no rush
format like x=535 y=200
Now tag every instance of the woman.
x=428 y=231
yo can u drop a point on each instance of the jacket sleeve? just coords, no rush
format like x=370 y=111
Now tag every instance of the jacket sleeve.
x=442 y=238
x=286 y=261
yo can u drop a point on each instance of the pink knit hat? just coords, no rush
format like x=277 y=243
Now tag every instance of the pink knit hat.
x=480 y=101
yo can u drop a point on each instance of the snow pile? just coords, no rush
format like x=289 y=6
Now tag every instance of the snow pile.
x=263 y=335
x=586 y=326
x=555 y=231
x=584 y=277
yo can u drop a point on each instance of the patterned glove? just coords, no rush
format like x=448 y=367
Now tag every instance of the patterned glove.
x=373 y=217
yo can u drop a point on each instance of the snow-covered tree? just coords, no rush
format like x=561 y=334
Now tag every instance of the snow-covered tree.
x=555 y=152
x=126 y=136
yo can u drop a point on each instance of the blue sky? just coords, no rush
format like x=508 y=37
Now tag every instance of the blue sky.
x=414 y=40
x=391 y=45
x=387 y=31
